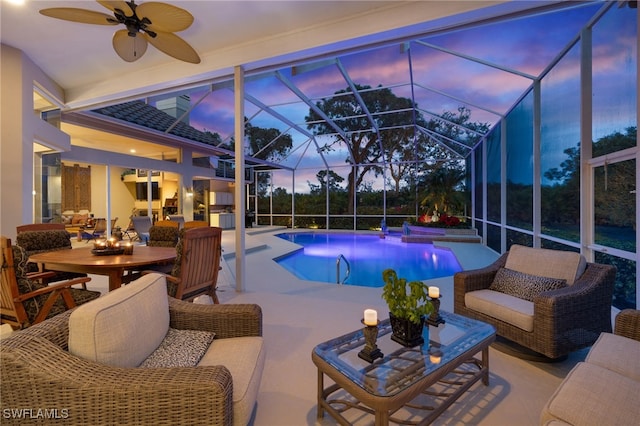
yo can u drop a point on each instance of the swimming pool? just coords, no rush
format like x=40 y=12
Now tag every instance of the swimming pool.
x=368 y=255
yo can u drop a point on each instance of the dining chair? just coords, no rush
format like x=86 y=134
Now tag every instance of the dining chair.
x=163 y=236
x=44 y=237
x=167 y=223
x=177 y=218
x=98 y=230
x=130 y=231
x=25 y=300
x=195 y=271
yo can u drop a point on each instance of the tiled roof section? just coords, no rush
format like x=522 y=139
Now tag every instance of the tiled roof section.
x=138 y=112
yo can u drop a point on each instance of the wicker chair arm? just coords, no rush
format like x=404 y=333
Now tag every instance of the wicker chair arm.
x=580 y=303
x=226 y=320
x=38 y=373
x=628 y=324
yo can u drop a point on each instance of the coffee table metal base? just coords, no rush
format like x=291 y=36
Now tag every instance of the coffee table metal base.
x=425 y=401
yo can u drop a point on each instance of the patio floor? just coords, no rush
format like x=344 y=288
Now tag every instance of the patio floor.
x=298 y=315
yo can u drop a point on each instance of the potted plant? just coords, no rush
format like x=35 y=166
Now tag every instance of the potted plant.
x=408 y=305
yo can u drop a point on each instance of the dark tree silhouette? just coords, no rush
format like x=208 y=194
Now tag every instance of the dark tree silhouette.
x=366 y=147
x=265 y=144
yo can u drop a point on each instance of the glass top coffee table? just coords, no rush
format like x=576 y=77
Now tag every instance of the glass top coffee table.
x=408 y=385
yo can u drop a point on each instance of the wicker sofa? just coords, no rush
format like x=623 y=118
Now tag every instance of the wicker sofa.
x=604 y=389
x=92 y=363
x=553 y=323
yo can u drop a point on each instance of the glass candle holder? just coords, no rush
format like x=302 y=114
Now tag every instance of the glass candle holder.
x=128 y=248
x=100 y=244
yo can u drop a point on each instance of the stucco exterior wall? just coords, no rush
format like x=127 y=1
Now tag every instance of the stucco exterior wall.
x=20 y=128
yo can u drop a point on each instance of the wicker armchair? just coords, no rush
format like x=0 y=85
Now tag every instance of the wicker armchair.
x=38 y=371
x=564 y=320
x=628 y=324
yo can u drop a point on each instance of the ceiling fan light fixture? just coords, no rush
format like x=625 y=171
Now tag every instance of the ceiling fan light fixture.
x=156 y=21
x=129 y=48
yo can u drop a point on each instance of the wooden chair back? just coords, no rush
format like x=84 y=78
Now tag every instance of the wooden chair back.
x=40 y=227
x=10 y=312
x=199 y=262
x=100 y=226
x=195 y=224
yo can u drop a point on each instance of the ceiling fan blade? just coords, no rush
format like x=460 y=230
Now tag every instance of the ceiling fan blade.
x=113 y=5
x=173 y=45
x=164 y=17
x=129 y=48
x=79 y=15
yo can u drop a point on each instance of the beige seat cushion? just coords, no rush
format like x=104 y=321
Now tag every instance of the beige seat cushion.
x=593 y=395
x=123 y=327
x=616 y=353
x=244 y=358
x=515 y=311
x=564 y=265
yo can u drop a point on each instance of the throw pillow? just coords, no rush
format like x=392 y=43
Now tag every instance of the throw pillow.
x=180 y=348
x=79 y=219
x=524 y=286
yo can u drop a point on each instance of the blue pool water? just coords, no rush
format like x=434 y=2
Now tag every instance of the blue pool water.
x=368 y=255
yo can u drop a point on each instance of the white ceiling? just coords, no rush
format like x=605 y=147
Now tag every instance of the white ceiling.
x=254 y=34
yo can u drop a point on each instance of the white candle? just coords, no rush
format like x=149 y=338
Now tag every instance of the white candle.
x=434 y=292
x=370 y=317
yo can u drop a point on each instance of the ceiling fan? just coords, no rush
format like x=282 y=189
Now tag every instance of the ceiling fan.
x=150 y=22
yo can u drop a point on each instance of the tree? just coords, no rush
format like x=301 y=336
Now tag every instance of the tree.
x=265 y=144
x=365 y=145
x=443 y=188
x=442 y=182
x=612 y=190
x=333 y=184
x=458 y=126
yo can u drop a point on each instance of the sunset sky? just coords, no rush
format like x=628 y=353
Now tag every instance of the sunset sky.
x=525 y=45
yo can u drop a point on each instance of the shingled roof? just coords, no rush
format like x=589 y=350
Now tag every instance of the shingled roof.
x=140 y=113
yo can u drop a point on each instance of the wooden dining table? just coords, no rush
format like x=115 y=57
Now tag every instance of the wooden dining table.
x=114 y=266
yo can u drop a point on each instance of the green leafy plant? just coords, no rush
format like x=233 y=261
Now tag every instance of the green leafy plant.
x=127 y=172
x=412 y=304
